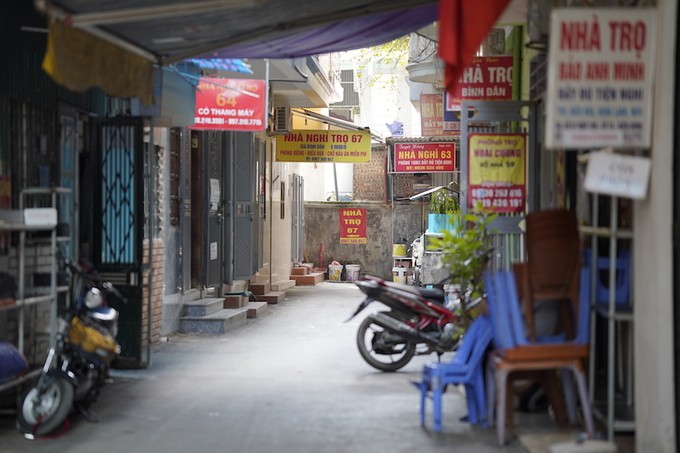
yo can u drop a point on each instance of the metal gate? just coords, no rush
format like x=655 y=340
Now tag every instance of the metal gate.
x=118 y=221
x=243 y=202
x=501 y=117
x=215 y=208
x=298 y=220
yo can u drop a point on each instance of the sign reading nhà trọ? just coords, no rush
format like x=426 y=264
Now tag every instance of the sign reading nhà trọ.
x=353 y=226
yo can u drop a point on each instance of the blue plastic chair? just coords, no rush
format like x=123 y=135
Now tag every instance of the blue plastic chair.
x=622 y=282
x=514 y=352
x=466 y=368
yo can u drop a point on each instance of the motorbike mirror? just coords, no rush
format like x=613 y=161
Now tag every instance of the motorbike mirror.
x=113 y=290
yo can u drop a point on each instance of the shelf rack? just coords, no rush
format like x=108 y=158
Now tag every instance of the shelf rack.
x=33 y=220
x=615 y=412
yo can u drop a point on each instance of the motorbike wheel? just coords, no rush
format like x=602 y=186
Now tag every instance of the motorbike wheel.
x=381 y=349
x=42 y=413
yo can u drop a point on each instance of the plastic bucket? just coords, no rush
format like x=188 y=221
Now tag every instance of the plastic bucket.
x=399 y=274
x=334 y=272
x=398 y=250
x=352 y=272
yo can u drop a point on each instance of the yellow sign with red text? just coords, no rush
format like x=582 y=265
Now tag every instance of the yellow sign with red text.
x=324 y=146
x=497 y=172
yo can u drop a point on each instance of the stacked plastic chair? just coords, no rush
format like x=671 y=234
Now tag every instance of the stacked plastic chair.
x=514 y=352
x=466 y=368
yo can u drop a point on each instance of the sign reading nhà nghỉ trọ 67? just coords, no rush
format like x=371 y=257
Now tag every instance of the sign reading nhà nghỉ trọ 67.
x=600 y=74
x=324 y=146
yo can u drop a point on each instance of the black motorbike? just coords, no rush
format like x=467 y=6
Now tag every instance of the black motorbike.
x=77 y=367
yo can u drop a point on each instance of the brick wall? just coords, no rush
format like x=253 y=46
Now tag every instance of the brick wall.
x=369 y=178
x=157 y=291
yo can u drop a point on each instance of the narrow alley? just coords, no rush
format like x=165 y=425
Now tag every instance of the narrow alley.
x=290 y=381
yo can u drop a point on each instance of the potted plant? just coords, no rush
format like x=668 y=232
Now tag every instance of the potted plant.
x=465 y=253
x=443 y=207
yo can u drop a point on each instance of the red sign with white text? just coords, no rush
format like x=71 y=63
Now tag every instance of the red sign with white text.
x=486 y=78
x=353 y=226
x=230 y=104
x=431 y=157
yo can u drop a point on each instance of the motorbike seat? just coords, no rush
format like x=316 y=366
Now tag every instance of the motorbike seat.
x=434 y=294
x=105 y=314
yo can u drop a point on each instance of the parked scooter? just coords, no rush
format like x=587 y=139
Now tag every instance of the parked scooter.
x=420 y=321
x=77 y=367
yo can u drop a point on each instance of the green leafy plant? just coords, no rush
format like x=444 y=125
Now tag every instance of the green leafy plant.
x=465 y=252
x=444 y=201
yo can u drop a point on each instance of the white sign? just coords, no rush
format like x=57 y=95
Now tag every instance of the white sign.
x=41 y=217
x=600 y=75
x=618 y=175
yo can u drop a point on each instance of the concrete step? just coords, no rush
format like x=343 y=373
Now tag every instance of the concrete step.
x=283 y=285
x=216 y=323
x=260 y=288
x=272 y=297
x=203 y=307
x=235 y=301
x=260 y=277
x=300 y=270
x=257 y=309
x=308 y=280
x=235 y=287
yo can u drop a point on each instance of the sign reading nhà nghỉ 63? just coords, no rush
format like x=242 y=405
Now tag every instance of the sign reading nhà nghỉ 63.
x=430 y=157
x=497 y=172
x=324 y=146
x=353 y=226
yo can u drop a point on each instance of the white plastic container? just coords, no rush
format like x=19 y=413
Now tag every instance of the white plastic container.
x=334 y=272
x=352 y=272
x=399 y=274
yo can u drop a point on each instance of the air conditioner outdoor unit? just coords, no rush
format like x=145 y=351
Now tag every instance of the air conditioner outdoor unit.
x=281 y=121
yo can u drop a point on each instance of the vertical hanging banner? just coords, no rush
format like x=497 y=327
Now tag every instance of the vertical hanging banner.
x=230 y=104
x=431 y=115
x=600 y=75
x=497 y=172
x=353 y=226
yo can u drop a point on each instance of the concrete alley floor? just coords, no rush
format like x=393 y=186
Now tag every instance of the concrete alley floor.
x=290 y=381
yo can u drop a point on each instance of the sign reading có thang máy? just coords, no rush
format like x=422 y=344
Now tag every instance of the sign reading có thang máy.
x=324 y=146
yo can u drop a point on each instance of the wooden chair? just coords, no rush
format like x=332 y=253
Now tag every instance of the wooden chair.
x=551 y=271
x=514 y=352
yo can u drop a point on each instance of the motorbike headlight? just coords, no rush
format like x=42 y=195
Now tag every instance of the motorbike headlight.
x=94 y=298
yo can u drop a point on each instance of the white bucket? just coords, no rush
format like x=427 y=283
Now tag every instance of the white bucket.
x=334 y=272
x=399 y=274
x=352 y=272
